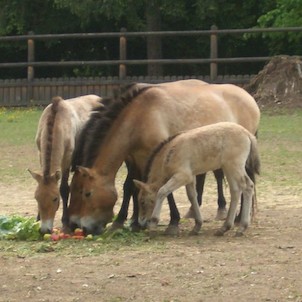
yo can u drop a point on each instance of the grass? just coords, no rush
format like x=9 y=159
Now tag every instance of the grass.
x=280 y=144
x=18 y=126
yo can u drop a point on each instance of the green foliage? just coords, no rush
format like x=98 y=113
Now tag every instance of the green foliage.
x=19 y=228
x=286 y=13
x=66 y=16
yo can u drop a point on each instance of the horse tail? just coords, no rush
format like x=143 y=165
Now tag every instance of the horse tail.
x=252 y=168
x=50 y=125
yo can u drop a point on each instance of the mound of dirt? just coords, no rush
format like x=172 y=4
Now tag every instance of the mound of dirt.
x=279 y=83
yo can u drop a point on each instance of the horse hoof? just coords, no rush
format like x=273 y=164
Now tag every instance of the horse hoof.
x=189 y=214
x=152 y=233
x=194 y=232
x=116 y=226
x=219 y=233
x=135 y=228
x=221 y=214
x=172 y=230
x=66 y=229
x=239 y=234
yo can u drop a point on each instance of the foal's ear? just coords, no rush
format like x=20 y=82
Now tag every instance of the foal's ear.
x=141 y=185
x=57 y=176
x=38 y=177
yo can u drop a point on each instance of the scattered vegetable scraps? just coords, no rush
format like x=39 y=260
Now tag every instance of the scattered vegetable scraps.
x=19 y=228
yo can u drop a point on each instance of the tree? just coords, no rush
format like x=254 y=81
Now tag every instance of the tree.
x=285 y=13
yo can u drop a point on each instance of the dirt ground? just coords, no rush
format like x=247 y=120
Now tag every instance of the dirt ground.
x=264 y=265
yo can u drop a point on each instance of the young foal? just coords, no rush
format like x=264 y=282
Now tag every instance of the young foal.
x=180 y=158
x=58 y=128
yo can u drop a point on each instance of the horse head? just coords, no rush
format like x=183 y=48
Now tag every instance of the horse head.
x=98 y=200
x=146 y=202
x=47 y=195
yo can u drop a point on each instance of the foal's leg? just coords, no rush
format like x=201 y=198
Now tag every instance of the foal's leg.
x=191 y=192
x=171 y=185
x=235 y=190
x=64 y=191
x=200 y=179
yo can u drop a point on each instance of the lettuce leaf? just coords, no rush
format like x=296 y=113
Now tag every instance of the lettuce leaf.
x=19 y=228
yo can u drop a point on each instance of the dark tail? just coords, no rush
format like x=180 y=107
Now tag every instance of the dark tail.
x=252 y=168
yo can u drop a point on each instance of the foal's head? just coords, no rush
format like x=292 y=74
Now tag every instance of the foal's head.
x=47 y=195
x=146 y=202
x=98 y=200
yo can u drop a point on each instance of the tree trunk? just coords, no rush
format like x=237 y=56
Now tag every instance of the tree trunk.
x=154 y=47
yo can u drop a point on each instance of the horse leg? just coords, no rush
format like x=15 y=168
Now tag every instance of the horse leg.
x=248 y=193
x=173 y=228
x=171 y=185
x=251 y=175
x=200 y=179
x=135 y=226
x=235 y=191
x=64 y=191
x=192 y=195
x=221 y=211
x=128 y=189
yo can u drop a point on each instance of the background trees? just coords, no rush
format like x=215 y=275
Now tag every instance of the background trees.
x=69 y=16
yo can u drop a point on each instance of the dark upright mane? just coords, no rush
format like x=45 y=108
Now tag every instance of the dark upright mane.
x=100 y=122
x=50 y=125
x=154 y=153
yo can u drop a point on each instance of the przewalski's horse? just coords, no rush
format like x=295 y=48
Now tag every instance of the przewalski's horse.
x=139 y=120
x=176 y=162
x=58 y=128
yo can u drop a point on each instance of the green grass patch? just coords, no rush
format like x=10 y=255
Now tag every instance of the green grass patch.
x=18 y=126
x=280 y=145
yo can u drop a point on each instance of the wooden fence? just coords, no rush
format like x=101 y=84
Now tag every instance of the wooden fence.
x=32 y=91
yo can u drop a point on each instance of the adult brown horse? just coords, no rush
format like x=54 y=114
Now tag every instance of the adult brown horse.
x=58 y=129
x=139 y=120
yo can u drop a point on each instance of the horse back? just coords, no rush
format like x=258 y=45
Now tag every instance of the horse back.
x=223 y=145
x=59 y=126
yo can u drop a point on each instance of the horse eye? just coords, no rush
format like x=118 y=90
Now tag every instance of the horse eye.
x=88 y=194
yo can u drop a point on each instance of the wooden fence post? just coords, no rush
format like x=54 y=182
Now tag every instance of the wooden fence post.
x=213 y=54
x=123 y=54
x=30 y=68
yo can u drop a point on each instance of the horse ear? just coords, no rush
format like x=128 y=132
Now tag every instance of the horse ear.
x=38 y=177
x=83 y=171
x=57 y=175
x=141 y=185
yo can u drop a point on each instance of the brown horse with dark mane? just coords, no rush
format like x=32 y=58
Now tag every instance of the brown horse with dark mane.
x=136 y=121
x=58 y=129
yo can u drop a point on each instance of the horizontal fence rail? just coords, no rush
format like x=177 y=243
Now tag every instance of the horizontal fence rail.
x=28 y=91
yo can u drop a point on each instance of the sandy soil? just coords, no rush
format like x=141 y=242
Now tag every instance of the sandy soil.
x=264 y=265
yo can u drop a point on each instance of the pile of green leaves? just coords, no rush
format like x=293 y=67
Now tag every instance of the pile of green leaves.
x=19 y=228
